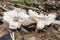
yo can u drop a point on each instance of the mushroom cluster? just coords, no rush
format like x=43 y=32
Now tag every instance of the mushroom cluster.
x=18 y=17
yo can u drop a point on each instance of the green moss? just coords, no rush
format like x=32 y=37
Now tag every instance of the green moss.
x=27 y=2
x=21 y=2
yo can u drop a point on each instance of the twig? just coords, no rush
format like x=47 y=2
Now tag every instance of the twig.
x=24 y=30
x=56 y=22
x=3 y=8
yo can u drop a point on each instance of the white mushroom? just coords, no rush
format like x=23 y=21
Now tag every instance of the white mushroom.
x=23 y=15
x=16 y=17
x=24 y=18
x=39 y=19
x=40 y=22
x=14 y=25
x=32 y=13
x=49 y=19
x=9 y=17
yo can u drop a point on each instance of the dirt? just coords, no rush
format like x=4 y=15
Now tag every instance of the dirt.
x=51 y=33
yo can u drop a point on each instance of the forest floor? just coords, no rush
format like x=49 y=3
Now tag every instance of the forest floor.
x=50 y=33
